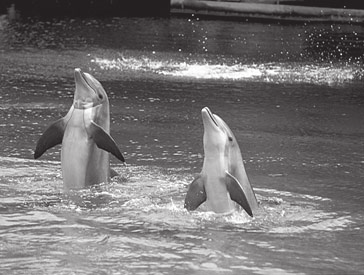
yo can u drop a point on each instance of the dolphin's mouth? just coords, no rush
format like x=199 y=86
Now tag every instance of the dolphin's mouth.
x=211 y=116
x=86 y=95
x=85 y=80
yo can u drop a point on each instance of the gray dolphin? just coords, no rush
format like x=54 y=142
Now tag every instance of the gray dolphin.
x=84 y=134
x=223 y=178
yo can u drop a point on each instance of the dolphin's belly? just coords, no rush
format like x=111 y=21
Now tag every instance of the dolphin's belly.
x=218 y=198
x=83 y=164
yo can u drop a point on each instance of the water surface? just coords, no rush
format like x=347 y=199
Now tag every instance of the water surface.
x=292 y=94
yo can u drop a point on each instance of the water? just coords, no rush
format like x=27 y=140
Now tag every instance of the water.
x=292 y=94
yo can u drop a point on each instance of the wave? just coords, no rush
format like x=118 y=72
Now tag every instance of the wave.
x=321 y=74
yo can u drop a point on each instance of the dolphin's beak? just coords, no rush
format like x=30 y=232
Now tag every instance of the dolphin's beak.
x=82 y=83
x=208 y=118
x=79 y=77
x=84 y=91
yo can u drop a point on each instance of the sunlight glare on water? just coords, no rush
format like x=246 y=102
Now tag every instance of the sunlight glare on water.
x=270 y=72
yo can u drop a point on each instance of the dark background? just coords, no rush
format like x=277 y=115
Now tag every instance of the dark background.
x=88 y=8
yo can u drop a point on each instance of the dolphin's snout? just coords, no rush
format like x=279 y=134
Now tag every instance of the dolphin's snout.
x=78 y=75
x=205 y=110
x=208 y=117
x=78 y=72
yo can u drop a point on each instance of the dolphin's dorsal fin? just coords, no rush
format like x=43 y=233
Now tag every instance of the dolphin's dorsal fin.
x=51 y=137
x=104 y=141
x=237 y=193
x=196 y=194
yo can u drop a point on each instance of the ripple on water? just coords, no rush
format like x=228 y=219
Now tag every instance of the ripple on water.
x=155 y=196
x=138 y=222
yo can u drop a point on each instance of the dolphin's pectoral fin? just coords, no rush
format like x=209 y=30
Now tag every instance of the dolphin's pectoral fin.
x=237 y=193
x=51 y=137
x=104 y=141
x=196 y=194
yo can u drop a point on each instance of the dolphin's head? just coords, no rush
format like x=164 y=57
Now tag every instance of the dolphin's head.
x=217 y=135
x=89 y=92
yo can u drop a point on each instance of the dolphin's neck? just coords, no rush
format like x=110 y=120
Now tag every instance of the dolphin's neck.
x=215 y=162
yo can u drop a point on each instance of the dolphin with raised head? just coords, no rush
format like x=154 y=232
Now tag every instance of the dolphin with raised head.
x=84 y=134
x=223 y=179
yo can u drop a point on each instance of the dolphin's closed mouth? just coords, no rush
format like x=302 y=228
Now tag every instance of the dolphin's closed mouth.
x=84 y=78
x=211 y=116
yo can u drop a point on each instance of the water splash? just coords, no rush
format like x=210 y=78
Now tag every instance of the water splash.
x=320 y=74
x=155 y=196
x=290 y=213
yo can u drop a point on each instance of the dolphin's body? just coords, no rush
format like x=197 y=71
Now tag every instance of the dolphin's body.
x=84 y=134
x=223 y=178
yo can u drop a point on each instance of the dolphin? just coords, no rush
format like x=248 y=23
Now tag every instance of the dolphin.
x=223 y=179
x=84 y=134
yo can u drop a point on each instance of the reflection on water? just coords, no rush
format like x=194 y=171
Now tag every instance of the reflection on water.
x=292 y=95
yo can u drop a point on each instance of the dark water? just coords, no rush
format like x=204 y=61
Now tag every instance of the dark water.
x=292 y=94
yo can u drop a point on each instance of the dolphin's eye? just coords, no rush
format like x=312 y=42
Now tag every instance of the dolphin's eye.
x=230 y=139
x=100 y=96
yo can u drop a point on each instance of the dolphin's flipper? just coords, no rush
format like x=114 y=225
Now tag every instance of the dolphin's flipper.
x=51 y=137
x=104 y=141
x=237 y=193
x=196 y=194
